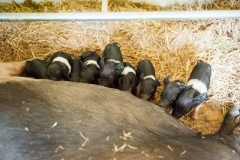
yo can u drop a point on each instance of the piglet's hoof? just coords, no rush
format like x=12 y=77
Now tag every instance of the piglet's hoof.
x=231 y=120
x=193 y=116
x=169 y=110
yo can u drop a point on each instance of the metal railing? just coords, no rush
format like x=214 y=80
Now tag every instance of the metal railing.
x=116 y=16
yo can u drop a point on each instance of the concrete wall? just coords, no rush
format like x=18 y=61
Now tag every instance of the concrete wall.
x=155 y=2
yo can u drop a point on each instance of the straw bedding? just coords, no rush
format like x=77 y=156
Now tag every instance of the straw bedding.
x=172 y=46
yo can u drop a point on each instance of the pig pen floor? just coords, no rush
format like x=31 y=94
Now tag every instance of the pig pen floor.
x=172 y=46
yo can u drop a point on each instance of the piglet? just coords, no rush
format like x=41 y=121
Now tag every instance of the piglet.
x=170 y=93
x=196 y=91
x=111 y=65
x=90 y=67
x=36 y=68
x=76 y=70
x=148 y=83
x=59 y=66
x=128 y=79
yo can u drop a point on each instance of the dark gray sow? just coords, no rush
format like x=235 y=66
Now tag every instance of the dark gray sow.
x=82 y=121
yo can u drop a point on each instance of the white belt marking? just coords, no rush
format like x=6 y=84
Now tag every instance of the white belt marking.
x=92 y=62
x=126 y=70
x=65 y=61
x=113 y=60
x=150 y=76
x=198 y=85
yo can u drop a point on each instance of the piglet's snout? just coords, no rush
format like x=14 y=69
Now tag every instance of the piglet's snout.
x=145 y=97
x=163 y=103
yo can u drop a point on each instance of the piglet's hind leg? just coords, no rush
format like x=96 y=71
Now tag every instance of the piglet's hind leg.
x=195 y=112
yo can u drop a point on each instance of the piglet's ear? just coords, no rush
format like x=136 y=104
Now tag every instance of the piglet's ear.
x=98 y=74
x=187 y=87
x=84 y=65
x=157 y=82
x=134 y=82
x=102 y=62
x=80 y=61
x=119 y=80
x=119 y=45
x=141 y=77
x=119 y=67
x=87 y=54
x=62 y=65
x=182 y=86
x=200 y=98
x=166 y=80
x=65 y=77
x=137 y=90
x=81 y=58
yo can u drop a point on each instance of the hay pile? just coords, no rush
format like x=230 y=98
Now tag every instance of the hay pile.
x=114 y=5
x=172 y=46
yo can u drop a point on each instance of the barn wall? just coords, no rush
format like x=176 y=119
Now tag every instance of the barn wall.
x=171 y=2
x=155 y=2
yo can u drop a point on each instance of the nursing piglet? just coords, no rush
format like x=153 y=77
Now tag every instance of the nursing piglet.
x=196 y=92
x=90 y=67
x=111 y=65
x=59 y=66
x=147 y=81
x=76 y=70
x=170 y=93
x=128 y=79
x=36 y=68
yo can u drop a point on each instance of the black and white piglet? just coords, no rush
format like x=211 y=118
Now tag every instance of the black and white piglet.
x=111 y=65
x=90 y=67
x=196 y=92
x=36 y=68
x=59 y=66
x=148 y=83
x=170 y=93
x=75 y=75
x=128 y=78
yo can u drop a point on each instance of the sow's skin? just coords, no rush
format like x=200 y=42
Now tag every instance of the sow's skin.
x=196 y=92
x=80 y=123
